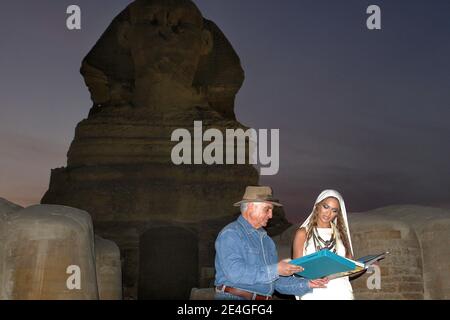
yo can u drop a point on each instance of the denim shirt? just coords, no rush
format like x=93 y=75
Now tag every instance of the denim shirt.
x=246 y=258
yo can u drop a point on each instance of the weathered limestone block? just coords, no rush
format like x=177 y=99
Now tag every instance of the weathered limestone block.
x=42 y=241
x=402 y=270
x=139 y=193
x=435 y=239
x=109 y=270
x=432 y=228
x=6 y=209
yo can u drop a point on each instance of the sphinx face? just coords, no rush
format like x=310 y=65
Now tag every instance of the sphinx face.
x=166 y=39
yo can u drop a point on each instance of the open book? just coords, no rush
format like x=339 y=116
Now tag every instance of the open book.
x=325 y=263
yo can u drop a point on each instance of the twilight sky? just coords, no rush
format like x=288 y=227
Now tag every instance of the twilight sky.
x=364 y=112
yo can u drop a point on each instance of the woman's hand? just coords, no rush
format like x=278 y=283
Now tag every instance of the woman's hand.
x=318 y=283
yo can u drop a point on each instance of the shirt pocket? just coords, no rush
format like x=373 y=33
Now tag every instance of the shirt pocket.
x=254 y=254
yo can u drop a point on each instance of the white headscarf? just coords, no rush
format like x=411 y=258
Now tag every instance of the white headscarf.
x=326 y=194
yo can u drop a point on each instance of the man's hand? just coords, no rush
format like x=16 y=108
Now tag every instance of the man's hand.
x=318 y=283
x=287 y=269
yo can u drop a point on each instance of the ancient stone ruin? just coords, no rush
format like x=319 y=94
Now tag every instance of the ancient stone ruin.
x=159 y=66
x=39 y=243
x=417 y=237
x=42 y=249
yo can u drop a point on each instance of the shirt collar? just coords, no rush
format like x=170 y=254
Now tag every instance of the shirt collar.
x=248 y=227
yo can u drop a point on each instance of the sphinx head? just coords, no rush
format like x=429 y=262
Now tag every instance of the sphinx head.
x=167 y=38
x=162 y=52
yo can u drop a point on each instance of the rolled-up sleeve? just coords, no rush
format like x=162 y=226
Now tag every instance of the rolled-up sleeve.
x=292 y=285
x=236 y=268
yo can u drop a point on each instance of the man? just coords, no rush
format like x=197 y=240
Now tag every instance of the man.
x=246 y=262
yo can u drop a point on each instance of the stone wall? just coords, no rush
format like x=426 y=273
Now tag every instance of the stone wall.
x=436 y=251
x=417 y=237
x=401 y=271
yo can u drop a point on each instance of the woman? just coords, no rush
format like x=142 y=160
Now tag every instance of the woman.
x=326 y=228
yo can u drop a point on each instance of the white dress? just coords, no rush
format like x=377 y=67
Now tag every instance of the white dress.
x=337 y=289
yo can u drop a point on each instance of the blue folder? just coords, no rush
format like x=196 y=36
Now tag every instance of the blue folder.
x=323 y=263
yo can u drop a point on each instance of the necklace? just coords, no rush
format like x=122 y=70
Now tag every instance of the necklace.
x=321 y=244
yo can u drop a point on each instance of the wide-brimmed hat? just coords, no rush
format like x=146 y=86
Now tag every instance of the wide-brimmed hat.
x=258 y=194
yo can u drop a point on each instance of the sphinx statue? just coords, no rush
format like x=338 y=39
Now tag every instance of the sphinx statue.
x=159 y=66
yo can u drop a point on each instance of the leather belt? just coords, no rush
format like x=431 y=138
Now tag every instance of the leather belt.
x=242 y=293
